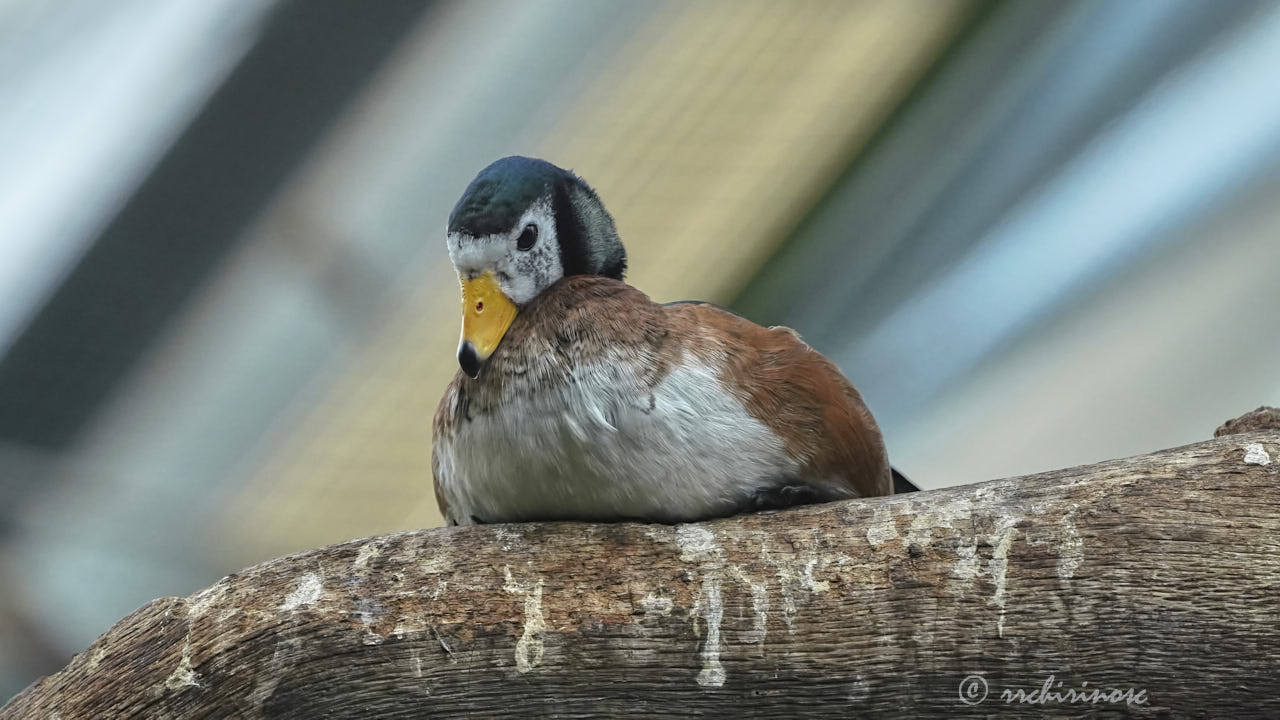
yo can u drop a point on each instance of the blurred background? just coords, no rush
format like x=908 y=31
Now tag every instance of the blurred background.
x=1033 y=234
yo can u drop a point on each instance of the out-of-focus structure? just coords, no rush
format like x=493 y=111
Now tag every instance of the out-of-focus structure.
x=1033 y=235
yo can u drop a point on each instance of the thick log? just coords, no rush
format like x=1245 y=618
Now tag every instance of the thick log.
x=1158 y=575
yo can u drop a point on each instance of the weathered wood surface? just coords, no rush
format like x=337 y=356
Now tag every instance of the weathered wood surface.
x=1158 y=573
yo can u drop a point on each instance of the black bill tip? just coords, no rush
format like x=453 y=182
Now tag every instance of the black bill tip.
x=468 y=359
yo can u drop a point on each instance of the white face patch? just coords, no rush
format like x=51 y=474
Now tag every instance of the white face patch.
x=521 y=274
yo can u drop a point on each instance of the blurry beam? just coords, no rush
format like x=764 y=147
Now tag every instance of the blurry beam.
x=311 y=60
x=79 y=134
x=1154 y=358
x=1196 y=141
x=1011 y=104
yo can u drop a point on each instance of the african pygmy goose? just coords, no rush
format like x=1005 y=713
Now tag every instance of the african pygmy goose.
x=579 y=398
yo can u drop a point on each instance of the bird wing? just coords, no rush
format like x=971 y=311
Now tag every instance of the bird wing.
x=795 y=391
x=441 y=430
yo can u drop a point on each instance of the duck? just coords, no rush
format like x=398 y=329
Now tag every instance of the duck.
x=577 y=398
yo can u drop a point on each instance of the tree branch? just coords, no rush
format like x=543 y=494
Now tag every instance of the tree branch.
x=1158 y=573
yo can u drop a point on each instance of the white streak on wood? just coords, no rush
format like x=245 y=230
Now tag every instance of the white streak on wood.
x=509 y=537
x=696 y=542
x=184 y=675
x=711 y=607
x=969 y=563
x=883 y=528
x=759 y=607
x=859 y=690
x=806 y=579
x=1255 y=454
x=306 y=593
x=367 y=611
x=967 y=566
x=950 y=516
x=1071 y=547
x=285 y=653
x=656 y=606
x=529 y=647
x=786 y=585
x=415 y=662
x=437 y=562
x=999 y=566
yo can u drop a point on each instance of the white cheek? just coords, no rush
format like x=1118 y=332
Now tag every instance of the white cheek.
x=529 y=272
x=522 y=274
x=520 y=288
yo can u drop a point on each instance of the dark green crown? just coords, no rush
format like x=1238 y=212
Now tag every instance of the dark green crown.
x=502 y=192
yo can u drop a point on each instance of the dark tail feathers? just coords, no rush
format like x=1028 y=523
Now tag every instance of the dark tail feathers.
x=901 y=484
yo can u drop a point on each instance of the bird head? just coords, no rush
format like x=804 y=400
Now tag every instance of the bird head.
x=519 y=227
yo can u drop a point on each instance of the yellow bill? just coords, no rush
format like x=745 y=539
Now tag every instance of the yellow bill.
x=486 y=314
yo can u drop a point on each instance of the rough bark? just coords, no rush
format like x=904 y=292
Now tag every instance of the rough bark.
x=1158 y=573
x=1264 y=418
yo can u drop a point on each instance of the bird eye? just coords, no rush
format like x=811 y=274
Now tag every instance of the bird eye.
x=528 y=237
